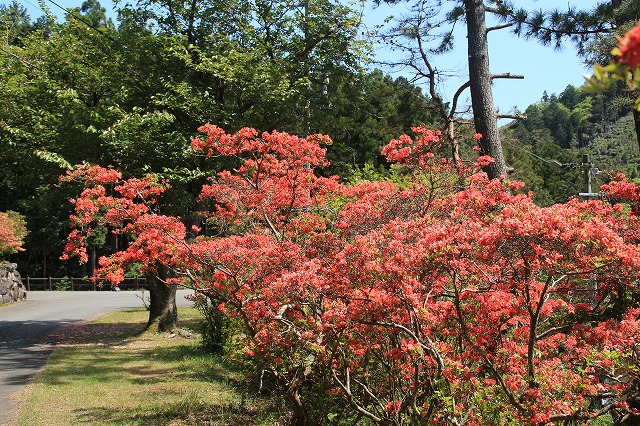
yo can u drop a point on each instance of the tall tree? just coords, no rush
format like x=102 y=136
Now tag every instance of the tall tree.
x=480 y=77
x=259 y=63
x=591 y=30
x=428 y=31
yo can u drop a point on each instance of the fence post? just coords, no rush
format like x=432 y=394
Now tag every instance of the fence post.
x=136 y=282
x=28 y=284
x=71 y=283
x=50 y=286
x=93 y=285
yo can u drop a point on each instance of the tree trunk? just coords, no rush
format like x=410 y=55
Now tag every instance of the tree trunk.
x=162 y=301
x=299 y=417
x=94 y=261
x=44 y=262
x=636 y=123
x=484 y=113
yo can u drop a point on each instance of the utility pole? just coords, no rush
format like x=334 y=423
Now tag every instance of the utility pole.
x=589 y=170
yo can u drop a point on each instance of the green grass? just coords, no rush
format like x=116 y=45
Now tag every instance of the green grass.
x=110 y=372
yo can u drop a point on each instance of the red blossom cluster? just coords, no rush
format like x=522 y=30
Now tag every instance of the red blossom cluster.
x=12 y=233
x=273 y=182
x=124 y=207
x=629 y=48
x=447 y=300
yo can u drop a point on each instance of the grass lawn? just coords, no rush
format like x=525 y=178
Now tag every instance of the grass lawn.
x=110 y=372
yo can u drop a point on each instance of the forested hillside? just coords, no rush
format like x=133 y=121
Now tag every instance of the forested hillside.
x=546 y=146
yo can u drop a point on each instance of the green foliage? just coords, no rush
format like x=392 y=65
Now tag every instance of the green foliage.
x=586 y=28
x=63 y=285
x=215 y=325
x=616 y=147
x=559 y=129
x=571 y=119
x=367 y=113
x=539 y=166
x=131 y=96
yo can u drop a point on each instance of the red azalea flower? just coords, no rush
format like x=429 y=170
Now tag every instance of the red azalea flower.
x=629 y=47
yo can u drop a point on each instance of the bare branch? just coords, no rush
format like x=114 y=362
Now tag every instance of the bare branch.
x=465 y=86
x=580 y=416
x=500 y=27
x=507 y=75
x=513 y=116
x=454 y=102
x=346 y=387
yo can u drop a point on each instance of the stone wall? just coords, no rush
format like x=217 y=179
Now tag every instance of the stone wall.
x=11 y=287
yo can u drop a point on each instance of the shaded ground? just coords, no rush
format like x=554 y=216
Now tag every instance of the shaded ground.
x=29 y=330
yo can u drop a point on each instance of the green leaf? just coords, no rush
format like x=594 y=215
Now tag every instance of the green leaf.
x=54 y=158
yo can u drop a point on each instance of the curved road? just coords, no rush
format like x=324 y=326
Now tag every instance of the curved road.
x=24 y=327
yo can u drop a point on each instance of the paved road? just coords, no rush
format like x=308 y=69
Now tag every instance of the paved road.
x=24 y=327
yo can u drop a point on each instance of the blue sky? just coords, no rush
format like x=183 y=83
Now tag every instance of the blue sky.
x=543 y=67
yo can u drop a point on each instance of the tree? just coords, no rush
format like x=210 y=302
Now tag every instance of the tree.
x=15 y=23
x=480 y=78
x=257 y=63
x=149 y=233
x=427 y=31
x=592 y=31
x=84 y=91
x=499 y=274
x=365 y=113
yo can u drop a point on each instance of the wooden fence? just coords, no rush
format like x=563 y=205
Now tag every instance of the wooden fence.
x=80 y=284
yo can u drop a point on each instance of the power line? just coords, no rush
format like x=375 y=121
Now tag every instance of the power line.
x=79 y=18
x=36 y=6
x=546 y=160
x=590 y=172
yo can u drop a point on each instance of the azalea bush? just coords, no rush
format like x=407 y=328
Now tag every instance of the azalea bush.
x=12 y=232
x=441 y=297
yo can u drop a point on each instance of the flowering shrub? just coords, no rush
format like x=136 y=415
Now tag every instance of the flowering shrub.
x=628 y=50
x=446 y=299
x=12 y=232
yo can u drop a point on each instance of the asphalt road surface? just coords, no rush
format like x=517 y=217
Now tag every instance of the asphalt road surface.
x=24 y=327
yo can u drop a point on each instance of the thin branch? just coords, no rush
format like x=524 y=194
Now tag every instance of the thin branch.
x=467 y=337
x=454 y=102
x=512 y=116
x=430 y=349
x=507 y=75
x=500 y=27
x=346 y=387
x=554 y=330
x=577 y=417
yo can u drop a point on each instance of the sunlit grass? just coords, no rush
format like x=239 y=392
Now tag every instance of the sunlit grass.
x=111 y=373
